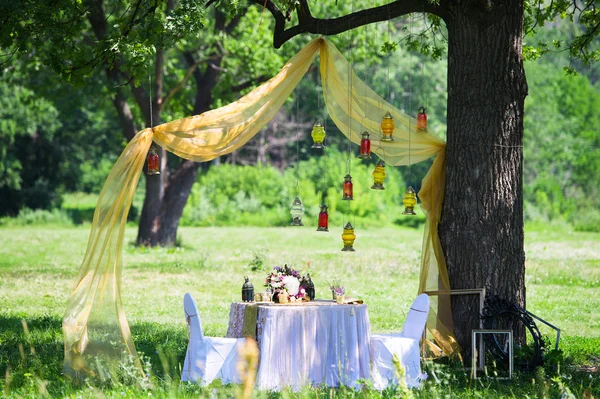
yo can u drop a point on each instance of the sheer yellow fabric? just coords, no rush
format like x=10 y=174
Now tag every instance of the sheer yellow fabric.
x=94 y=323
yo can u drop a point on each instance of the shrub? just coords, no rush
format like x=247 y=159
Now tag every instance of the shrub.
x=587 y=220
x=27 y=217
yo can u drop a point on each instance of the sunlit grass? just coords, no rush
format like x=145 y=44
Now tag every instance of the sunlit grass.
x=38 y=267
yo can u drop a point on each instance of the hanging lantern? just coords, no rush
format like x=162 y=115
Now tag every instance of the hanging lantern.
x=348 y=188
x=310 y=288
x=348 y=237
x=387 y=127
x=297 y=211
x=247 y=290
x=422 y=119
x=323 y=219
x=153 y=162
x=365 y=146
x=379 y=176
x=318 y=135
x=410 y=200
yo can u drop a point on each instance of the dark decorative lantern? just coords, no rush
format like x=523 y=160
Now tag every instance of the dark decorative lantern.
x=387 y=127
x=297 y=211
x=365 y=146
x=422 y=119
x=348 y=237
x=247 y=290
x=379 y=176
x=153 y=168
x=310 y=288
x=410 y=200
x=348 y=188
x=323 y=219
x=318 y=135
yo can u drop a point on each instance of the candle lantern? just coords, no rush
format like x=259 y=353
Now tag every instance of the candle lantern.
x=387 y=127
x=422 y=119
x=323 y=219
x=318 y=135
x=153 y=168
x=410 y=200
x=348 y=188
x=379 y=176
x=297 y=211
x=348 y=237
x=247 y=290
x=310 y=288
x=365 y=146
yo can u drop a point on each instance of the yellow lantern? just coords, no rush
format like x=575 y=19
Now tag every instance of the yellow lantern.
x=318 y=135
x=379 y=176
x=387 y=127
x=348 y=237
x=409 y=200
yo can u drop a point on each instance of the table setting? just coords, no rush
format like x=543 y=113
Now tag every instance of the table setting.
x=303 y=340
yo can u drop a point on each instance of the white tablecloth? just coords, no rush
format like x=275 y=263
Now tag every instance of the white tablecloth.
x=310 y=344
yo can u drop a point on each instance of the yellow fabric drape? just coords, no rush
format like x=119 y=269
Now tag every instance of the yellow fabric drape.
x=94 y=322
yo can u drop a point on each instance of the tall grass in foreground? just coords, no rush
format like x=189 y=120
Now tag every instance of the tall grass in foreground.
x=38 y=267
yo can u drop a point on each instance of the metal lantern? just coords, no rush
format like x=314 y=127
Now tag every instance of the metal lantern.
x=323 y=219
x=310 y=288
x=318 y=135
x=153 y=168
x=387 y=127
x=365 y=146
x=247 y=290
x=348 y=237
x=379 y=176
x=297 y=211
x=410 y=200
x=348 y=188
x=422 y=119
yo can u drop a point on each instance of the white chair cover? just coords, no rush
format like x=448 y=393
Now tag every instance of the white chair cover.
x=208 y=358
x=404 y=345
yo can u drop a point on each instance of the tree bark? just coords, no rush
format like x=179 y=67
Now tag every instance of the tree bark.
x=481 y=228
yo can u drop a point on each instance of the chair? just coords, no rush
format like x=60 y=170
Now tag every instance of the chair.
x=404 y=345
x=208 y=358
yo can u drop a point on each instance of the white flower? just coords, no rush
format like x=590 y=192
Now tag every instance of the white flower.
x=292 y=284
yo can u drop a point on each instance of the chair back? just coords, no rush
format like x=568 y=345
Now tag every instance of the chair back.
x=192 y=317
x=416 y=318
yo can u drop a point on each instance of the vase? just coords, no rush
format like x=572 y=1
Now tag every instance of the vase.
x=333 y=295
x=339 y=299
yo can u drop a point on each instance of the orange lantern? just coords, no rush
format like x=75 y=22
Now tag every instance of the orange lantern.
x=387 y=127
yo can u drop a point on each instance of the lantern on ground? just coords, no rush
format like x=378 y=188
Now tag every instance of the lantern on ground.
x=310 y=288
x=422 y=119
x=348 y=188
x=152 y=160
x=379 y=176
x=318 y=135
x=348 y=237
x=387 y=127
x=410 y=200
x=323 y=219
x=247 y=290
x=297 y=211
x=365 y=146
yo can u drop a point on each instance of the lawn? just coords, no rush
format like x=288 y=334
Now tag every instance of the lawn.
x=38 y=267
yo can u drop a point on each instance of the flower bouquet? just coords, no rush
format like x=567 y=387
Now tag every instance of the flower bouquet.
x=285 y=280
x=337 y=290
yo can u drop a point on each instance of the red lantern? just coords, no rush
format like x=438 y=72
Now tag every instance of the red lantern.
x=153 y=168
x=348 y=188
x=365 y=146
x=422 y=119
x=323 y=219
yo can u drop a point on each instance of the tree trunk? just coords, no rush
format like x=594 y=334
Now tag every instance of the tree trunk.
x=482 y=220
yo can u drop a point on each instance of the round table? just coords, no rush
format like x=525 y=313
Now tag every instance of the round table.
x=312 y=343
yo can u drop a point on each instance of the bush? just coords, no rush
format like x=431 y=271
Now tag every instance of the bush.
x=587 y=220
x=261 y=196
x=28 y=217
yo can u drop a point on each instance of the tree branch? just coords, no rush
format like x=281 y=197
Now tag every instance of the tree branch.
x=309 y=24
x=249 y=83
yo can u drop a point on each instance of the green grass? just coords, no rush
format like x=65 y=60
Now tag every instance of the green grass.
x=38 y=267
